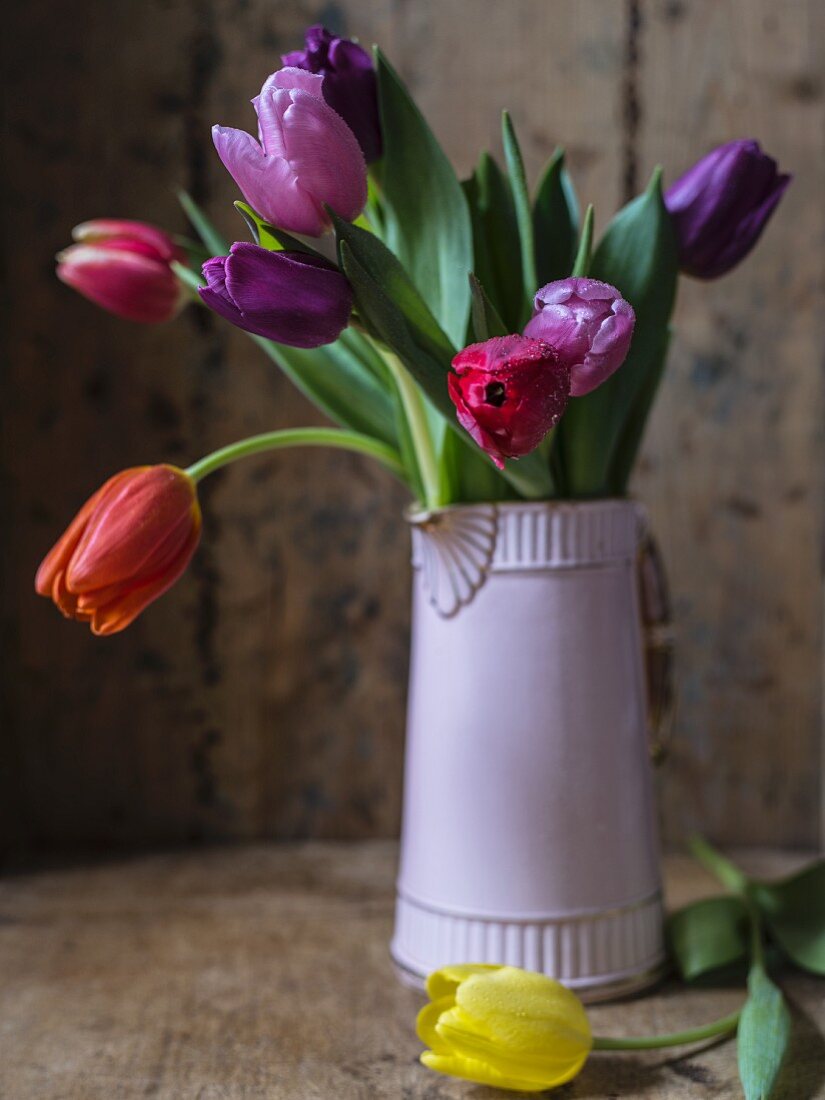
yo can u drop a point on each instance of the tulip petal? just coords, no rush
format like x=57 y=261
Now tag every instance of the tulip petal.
x=444 y=982
x=295 y=299
x=427 y=1019
x=104 y=229
x=482 y=1073
x=125 y=282
x=58 y=557
x=136 y=530
x=115 y=616
x=325 y=155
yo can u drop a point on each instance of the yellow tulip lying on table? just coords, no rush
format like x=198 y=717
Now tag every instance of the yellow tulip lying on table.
x=501 y=1026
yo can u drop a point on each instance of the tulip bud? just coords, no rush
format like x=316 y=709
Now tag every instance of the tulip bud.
x=721 y=205
x=127 y=545
x=307 y=157
x=590 y=326
x=123 y=266
x=350 y=87
x=509 y=392
x=290 y=297
x=505 y=1027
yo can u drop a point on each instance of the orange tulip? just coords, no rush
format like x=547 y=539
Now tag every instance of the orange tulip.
x=127 y=545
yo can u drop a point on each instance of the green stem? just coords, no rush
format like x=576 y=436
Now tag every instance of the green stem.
x=727 y=873
x=724 y=1026
x=297 y=437
x=416 y=414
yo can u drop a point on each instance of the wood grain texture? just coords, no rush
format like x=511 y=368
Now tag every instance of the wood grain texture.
x=264 y=695
x=263 y=972
x=734 y=467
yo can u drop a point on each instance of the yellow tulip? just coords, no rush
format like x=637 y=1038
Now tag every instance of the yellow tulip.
x=501 y=1026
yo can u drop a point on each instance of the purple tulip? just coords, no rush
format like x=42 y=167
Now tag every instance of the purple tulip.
x=290 y=297
x=721 y=205
x=307 y=156
x=350 y=87
x=589 y=324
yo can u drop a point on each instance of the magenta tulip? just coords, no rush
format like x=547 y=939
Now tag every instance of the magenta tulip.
x=590 y=326
x=308 y=157
x=124 y=266
x=508 y=393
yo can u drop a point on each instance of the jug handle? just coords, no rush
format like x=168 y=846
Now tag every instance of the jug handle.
x=658 y=644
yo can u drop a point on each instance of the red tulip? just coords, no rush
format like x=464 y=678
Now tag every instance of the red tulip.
x=508 y=393
x=124 y=267
x=127 y=545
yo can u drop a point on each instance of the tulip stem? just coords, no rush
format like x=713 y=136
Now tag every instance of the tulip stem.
x=725 y=1026
x=298 y=437
x=422 y=442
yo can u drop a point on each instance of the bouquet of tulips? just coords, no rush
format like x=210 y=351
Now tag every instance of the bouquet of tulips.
x=468 y=335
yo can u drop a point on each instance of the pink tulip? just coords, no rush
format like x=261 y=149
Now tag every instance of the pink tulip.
x=124 y=267
x=307 y=156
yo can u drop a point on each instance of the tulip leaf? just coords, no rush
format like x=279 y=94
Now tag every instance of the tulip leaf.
x=187 y=276
x=268 y=236
x=202 y=225
x=584 y=255
x=496 y=246
x=426 y=220
x=529 y=476
x=385 y=269
x=555 y=222
x=485 y=320
x=627 y=446
x=762 y=1037
x=524 y=215
x=334 y=378
x=638 y=255
x=708 y=935
x=794 y=911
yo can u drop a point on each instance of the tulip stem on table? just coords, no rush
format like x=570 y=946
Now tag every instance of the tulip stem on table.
x=416 y=414
x=724 y=1026
x=297 y=437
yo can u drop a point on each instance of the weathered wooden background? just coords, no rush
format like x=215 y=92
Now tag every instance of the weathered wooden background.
x=264 y=696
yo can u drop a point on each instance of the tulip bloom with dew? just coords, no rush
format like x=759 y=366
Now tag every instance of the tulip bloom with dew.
x=291 y=297
x=590 y=326
x=505 y=1027
x=307 y=157
x=125 y=267
x=509 y=392
x=126 y=546
x=350 y=86
x=721 y=205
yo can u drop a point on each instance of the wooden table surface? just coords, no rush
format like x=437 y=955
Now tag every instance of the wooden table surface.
x=237 y=973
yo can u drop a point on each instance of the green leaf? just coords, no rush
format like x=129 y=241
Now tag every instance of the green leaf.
x=708 y=935
x=630 y=440
x=555 y=222
x=187 y=276
x=335 y=379
x=524 y=214
x=268 y=236
x=469 y=475
x=385 y=270
x=496 y=239
x=794 y=911
x=202 y=225
x=638 y=255
x=581 y=265
x=426 y=221
x=762 y=1038
x=485 y=320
